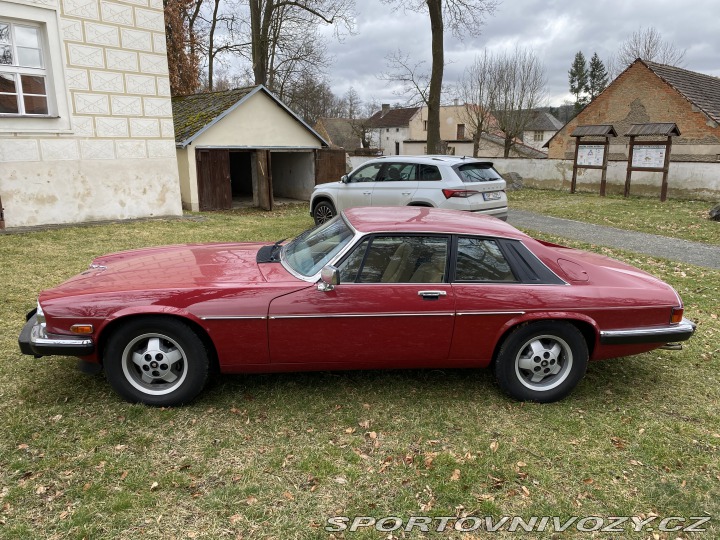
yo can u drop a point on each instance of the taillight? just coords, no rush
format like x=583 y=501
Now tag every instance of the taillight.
x=676 y=315
x=460 y=193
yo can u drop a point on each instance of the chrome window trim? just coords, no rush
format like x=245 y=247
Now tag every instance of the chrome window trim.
x=357 y=235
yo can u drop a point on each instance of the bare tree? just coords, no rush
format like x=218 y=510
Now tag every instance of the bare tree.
x=266 y=21
x=461 y=16
x=411 y=77
x=296 y=50
x=519 y=81
x=223 y=34
x=648 y=44
x=476 y=90
x=312 y=99
x=353 y=103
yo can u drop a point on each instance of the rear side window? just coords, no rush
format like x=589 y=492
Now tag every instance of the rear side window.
x=477 y=172
x=428 y=173
x=479 y=259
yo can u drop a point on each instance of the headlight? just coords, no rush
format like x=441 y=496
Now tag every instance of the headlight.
x=40 y=314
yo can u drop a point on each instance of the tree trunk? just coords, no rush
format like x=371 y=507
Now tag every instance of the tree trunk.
x=476 y=143
x=260 y=17
x=211 y=46
x=508 y=146
x=436 y=76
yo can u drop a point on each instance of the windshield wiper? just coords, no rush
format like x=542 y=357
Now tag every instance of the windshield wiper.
x=275 y=248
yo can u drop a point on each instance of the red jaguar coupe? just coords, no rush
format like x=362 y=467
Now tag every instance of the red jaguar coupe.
x=400 y=287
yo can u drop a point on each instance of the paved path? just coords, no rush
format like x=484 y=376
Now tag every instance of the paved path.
x=651 y=244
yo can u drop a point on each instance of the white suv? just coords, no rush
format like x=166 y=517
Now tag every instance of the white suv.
x=459 y=183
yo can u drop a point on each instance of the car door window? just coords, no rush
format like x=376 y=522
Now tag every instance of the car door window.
x=395 y=172
x=480 y=259
x=429 y=173
x=367 y=174
x=397 y=259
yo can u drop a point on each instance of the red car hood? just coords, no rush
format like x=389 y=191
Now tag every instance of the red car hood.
x=174 y=267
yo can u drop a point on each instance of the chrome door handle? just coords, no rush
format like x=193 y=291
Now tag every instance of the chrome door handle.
x=432 y=295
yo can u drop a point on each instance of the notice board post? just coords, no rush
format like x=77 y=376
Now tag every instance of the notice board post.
x=592 y=155
x=650 y=155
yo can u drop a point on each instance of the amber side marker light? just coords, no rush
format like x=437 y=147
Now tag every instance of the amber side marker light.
x=82 y=328
x=676 y=316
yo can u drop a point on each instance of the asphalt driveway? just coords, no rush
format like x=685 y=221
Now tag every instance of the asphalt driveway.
x=651 y=244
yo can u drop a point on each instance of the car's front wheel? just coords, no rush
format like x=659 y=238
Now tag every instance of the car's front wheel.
x=323 y=211
x=156 y=361
x=542 y=361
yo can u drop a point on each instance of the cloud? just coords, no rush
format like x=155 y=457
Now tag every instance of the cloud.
x=554 y=29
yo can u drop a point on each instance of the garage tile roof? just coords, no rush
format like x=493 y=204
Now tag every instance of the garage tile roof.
x=192 y=113
x=195 y=113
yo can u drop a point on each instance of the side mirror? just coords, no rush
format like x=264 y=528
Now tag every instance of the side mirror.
x=345 y=179
x=329 y=278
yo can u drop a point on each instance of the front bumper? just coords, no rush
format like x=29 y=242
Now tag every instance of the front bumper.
x=664 y=334
x=35 y=341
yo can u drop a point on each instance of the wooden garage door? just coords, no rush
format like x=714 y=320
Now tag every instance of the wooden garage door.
x=213 y=176
x=329 y=165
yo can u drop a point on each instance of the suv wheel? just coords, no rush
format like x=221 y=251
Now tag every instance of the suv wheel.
x=323 y=211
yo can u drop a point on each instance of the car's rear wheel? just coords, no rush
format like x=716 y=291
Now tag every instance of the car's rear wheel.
x=156 y=361
x=323 y=211
x=542 y=361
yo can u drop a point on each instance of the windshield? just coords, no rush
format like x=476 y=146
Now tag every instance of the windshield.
x=477 y=172
x=313 y=249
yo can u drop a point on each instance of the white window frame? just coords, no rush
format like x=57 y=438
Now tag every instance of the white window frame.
x=18 y=71
x=46 y=20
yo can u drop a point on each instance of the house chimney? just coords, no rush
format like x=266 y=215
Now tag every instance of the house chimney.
x=456 y=101
x=385 y=109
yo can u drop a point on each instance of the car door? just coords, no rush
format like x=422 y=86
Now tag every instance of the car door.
x=395 y=185
x=357 y=191
x=393 y=308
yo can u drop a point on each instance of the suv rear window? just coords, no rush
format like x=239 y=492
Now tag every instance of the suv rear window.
x=477 y=172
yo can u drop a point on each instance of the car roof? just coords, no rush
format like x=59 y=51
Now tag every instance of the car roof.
x=430 y=159
x=416 y=219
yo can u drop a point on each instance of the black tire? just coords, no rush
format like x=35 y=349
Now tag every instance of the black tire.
x=323 y=211
x=542 y=361
x=156 y=361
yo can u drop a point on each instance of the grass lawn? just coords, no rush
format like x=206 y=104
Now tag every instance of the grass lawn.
x=274 y=456
x=687 y=220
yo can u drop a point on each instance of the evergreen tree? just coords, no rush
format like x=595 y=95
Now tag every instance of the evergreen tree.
x=578 y=77
x=597 y=77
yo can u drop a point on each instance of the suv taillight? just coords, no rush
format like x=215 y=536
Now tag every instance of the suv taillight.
x=461 y=193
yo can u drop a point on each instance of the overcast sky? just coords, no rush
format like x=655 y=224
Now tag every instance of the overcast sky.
x=554 y=29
